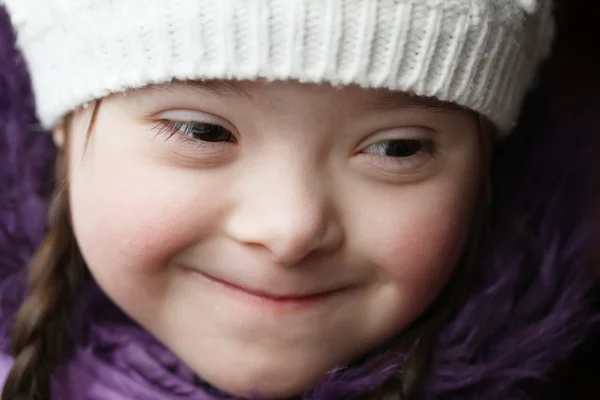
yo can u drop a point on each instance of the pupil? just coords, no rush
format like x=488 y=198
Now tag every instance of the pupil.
x=403 y=148
x=211 y=133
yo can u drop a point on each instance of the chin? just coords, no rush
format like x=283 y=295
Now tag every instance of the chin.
x=276 y=380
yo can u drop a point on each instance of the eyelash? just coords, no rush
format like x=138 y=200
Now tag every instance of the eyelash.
x=409 y=147
x=186 y=131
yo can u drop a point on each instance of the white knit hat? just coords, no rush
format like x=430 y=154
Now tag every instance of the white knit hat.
x=480 y=54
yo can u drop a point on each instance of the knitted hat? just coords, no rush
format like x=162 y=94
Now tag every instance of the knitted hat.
x=480 y=54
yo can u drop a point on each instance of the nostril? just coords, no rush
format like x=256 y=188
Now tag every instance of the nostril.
x=323 y=234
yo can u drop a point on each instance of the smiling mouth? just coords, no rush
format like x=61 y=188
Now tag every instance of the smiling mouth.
x=270 y=299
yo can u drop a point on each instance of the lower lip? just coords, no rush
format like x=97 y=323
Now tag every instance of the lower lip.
x=275 y=303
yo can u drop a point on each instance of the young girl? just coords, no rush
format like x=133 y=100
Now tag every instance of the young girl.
x=289 y=199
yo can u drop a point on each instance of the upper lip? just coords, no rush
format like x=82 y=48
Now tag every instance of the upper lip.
x=278 y=295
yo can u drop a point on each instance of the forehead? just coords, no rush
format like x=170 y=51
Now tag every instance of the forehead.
x=372 y=99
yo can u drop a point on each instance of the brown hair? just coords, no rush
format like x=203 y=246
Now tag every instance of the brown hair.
x=418 y=341
x=57 y=272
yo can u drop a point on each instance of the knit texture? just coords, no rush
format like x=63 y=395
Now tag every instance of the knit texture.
x=480 y=54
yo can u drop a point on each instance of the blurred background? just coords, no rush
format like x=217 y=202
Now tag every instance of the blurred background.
x=574 y=73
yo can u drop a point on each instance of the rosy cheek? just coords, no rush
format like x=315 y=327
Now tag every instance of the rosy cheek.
x=419 y=254
x=137 y=228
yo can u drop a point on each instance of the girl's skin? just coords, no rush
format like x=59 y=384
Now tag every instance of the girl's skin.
x=293 y=196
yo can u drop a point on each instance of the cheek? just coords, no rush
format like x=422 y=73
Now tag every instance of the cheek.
x=131 y=219
x=416 y=249
x=131 y=227
x=120 y=232
x=422 y=249
x=129 y=238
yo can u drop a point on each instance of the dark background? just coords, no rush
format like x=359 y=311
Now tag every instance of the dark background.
x=574 y=71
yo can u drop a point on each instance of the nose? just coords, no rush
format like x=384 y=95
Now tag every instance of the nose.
x=287 y=212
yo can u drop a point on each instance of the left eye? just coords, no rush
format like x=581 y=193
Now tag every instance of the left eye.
x=400 y=148
x=202 y=131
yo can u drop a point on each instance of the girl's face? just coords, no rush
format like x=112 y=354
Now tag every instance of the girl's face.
x=267 y=232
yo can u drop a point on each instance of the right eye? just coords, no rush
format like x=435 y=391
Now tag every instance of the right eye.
x=200 y=131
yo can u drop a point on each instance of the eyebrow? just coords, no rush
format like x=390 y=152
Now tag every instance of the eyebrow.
x=217 y=87
x=390 y=101
x=386 y=101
